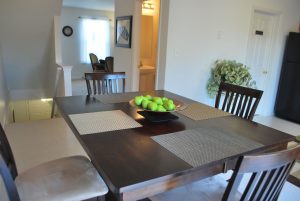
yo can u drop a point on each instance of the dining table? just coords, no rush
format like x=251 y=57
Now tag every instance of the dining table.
x=139 y=157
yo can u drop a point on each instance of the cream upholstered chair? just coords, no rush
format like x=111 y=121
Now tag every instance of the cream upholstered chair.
x=96 y=65
x=69 y=178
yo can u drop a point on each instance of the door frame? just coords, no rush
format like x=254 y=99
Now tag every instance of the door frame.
x=277 y=14
x=161 y=45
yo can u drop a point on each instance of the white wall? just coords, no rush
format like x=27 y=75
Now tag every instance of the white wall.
x=71 y=45
x=193 y=45
x=3 y=95
x=25 y=36
x=127 y=59
x=162 y=44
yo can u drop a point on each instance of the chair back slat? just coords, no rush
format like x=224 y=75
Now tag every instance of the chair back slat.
x=241 y=114
x=7 y=154
x=274 y=174
x=242 y=105
x=250 y=186
x=123 y=86
x=98 y=86
x=233 y=108
x=249 y=105
x=108 y=83
x=259 y=186
x=229 y=105
x=225 y=100
x=8 y=181
x=238 y=108
x=268 y=175
x=278 y=188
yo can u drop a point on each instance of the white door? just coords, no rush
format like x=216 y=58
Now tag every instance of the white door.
x=260 y=52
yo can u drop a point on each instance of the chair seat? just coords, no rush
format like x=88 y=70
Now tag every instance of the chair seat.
x=210 y=189
x=70 y=178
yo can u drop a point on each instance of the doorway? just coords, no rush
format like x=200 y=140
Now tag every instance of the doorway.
x=261 y=50
x=148 y=44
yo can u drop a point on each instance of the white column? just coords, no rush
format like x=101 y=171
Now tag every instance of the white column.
x=67 y=80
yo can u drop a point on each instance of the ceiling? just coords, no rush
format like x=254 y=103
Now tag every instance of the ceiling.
x=91 y=4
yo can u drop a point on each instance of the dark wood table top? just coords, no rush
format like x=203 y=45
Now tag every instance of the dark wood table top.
x=131 y=163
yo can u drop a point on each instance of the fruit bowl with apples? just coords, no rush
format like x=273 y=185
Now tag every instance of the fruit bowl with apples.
x=159 y=105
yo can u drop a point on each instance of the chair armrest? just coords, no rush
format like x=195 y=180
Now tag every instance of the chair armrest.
x=98 y=66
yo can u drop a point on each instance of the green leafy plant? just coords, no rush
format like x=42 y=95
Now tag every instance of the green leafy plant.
x=231 y=72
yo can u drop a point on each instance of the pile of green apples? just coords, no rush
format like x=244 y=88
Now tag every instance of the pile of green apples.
x=155 y=104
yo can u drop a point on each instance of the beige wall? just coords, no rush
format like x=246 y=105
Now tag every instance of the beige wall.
x=3 y=95
x=26 y=27
x=193 y=44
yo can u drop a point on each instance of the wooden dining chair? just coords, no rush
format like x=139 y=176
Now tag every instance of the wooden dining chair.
x=268 y=173
x=69 y=178
x=238 y=100
x=105 y=83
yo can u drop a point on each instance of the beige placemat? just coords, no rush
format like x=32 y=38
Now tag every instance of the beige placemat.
x=201 y=146
x=115 y=98
x=97 y=122
x=199 y=111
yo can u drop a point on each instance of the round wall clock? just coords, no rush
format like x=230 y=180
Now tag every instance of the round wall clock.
x=67 y=31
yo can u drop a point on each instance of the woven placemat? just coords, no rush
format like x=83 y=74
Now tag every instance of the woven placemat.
x=199 y=111
x=201 y=146
x=115 y=98
x=97 y=122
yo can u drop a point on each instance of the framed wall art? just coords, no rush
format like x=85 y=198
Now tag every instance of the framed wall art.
x=123 y=31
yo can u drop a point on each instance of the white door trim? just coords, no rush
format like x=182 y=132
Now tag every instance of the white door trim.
x=161 y=46
x=271 y=67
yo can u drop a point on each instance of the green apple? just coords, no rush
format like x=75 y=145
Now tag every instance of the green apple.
x=170 y=101
x=161 y=108
x=148 y=97
x=164 y=98
x=157 y=100
x=145 y=103
x=171 y=106
x=138 y=100
x=165 y=105
x=152 y=106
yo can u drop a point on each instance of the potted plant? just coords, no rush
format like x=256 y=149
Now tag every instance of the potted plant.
x=231 y=72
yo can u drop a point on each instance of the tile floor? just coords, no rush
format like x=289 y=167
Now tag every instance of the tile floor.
x=40 y=141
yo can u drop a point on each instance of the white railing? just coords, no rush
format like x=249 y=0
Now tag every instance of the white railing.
x=63 y=82
x=59 y=75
